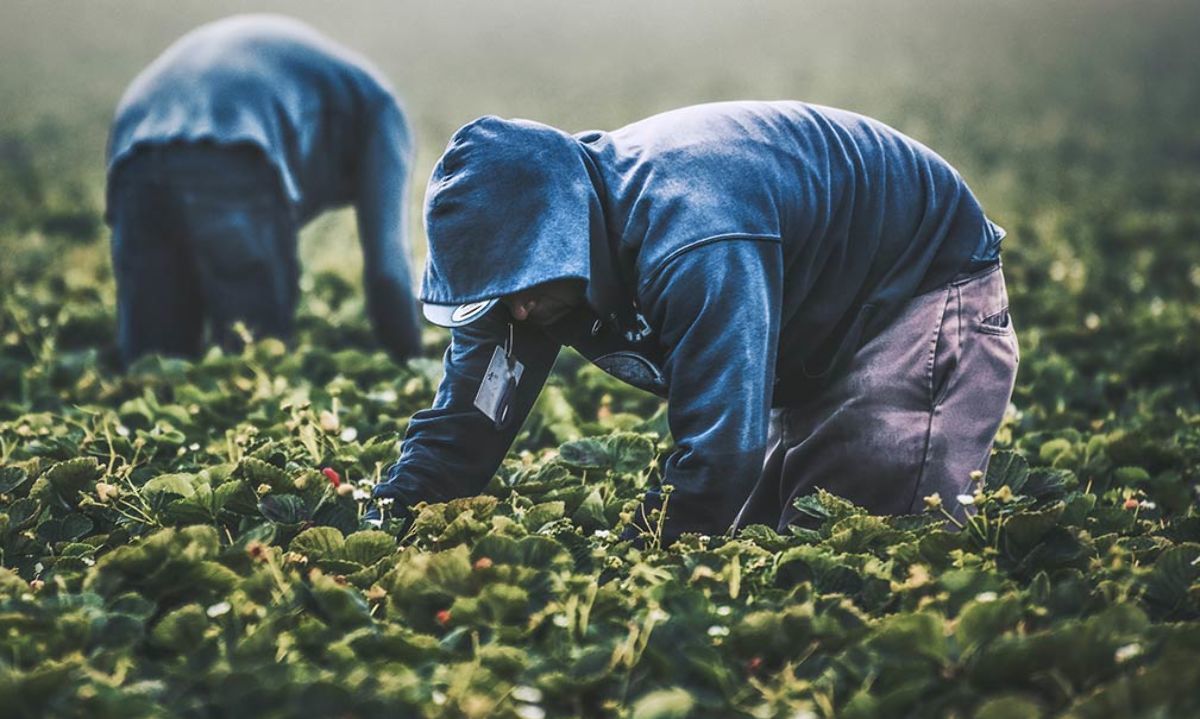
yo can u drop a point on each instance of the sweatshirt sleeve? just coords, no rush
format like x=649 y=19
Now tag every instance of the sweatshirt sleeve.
x=716 y=308
x=452 y=449
x=382 y=210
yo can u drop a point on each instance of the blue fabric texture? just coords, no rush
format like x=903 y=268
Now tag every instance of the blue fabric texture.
x=200 y=239
x=761 y=243
x=324 y=118
x=486 y=169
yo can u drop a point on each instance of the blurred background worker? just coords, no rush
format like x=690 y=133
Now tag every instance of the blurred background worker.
x=236 y=136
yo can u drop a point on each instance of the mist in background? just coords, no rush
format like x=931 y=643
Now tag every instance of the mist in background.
x=1055 y=112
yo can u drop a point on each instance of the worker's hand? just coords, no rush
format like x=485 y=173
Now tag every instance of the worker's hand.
x=393 y=315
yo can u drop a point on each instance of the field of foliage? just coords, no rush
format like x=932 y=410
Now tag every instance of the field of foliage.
x=184 y=539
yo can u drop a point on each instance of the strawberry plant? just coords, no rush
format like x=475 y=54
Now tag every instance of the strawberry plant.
x=186 y=539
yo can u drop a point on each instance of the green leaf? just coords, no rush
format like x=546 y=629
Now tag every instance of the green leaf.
x=1077 y=508
x=257 y=472
x=630 y=452
x=1045 y=483
x=182 y=484
x=11 y=583
x=623 y=452
x=133 y=605
x=368 y=547
x=11 y=478
x=182 y=630
x=23 y=513
x=1130 y=476
x=588 y=453
x=209 y=576
x=919 y=634
x=338 y=566
x=1169 y=582
x=826 y=506
x=981 y=621
x=341 y=514
x=590 y=514
x=533 y=551
x=283 y=508
x=335 y=604
x=64 y=529
x=542 y=514
x=199 y=507
x=237 y=497
x=1022 y=532
x=65 y=481
x=319 y=543
x=1006 y=469
x=1009 y=706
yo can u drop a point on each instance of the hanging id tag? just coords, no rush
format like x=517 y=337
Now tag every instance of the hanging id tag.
x=498 y=390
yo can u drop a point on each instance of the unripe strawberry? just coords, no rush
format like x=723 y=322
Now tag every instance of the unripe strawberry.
x=257 y=551
x=106 y=491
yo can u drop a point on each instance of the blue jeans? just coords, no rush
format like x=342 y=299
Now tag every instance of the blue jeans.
x=202 y=238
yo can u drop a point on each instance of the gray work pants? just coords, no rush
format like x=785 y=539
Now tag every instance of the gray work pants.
x=914 y=414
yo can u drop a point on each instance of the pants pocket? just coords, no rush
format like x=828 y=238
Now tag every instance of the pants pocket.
x=947 y=348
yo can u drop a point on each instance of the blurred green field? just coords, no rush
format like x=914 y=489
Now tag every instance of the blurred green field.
x=1075 y=121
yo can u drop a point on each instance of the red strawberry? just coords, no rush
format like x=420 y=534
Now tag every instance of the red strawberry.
x=1131 y=503
x=442 y=617
x=331 y=474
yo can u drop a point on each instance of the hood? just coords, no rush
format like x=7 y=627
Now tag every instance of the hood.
x=511 y=204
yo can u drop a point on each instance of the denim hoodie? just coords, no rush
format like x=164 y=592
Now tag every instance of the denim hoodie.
x=736 y=255
x=325 y=119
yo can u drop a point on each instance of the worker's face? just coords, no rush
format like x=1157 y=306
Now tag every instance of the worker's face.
x=546 y=303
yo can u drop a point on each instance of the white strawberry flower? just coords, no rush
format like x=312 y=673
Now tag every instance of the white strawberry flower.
x=527 y=694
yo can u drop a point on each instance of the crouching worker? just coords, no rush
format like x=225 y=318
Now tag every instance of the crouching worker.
x=235 y=137
x=818 y=297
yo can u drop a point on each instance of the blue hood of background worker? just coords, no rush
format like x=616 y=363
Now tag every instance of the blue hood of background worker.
x=324 y=118
x=735 y=254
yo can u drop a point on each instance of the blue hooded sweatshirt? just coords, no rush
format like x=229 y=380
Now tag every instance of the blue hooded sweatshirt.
x=322 y=116
x=736 y=256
